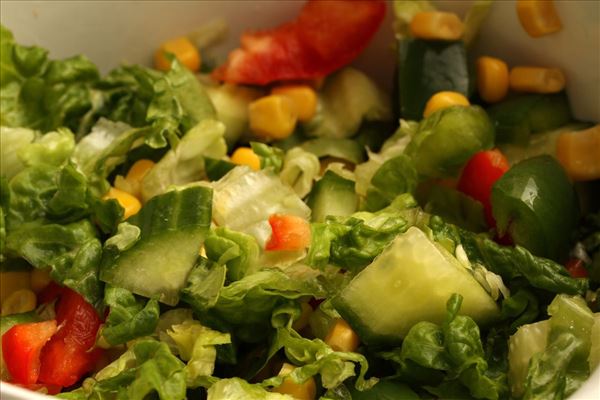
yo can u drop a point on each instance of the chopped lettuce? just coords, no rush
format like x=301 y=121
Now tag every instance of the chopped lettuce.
x=300 y=168
x=239 y=389
x=236 y=250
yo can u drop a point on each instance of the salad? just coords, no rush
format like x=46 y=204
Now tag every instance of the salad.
x=274 y=225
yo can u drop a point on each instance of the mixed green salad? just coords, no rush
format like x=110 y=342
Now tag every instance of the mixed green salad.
x=280 y=227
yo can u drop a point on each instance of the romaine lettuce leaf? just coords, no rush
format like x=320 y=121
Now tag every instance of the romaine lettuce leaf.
x=300 y=168
x=129 y=317
x=236 y=250
x=239 y=389
x=185 y=163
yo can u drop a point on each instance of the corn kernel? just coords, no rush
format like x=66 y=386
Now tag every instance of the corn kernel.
x=537 y=80
x=303 y=97
x=442 y=100
x=40 y=278
x=492 y=79
x=436 y=25
x=130 y=203
x=300 y=391
x=272 y=117
x=579 y=153
x=139 y=169
x=341 y=337
x=245 y=156
x=302 y=320
x=21 y=301
x=538 y=17
x=11 y=281
x=183 y=49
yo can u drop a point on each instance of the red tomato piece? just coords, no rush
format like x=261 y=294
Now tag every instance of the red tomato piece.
x=21 y=347
x=576 y=268
x=70 y=353
x=289 y=233
x=325 y=36
x=479 y=175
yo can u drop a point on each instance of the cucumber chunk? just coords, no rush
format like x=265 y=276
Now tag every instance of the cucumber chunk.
x=172 y=227
x=332 y=195
x=409 y=282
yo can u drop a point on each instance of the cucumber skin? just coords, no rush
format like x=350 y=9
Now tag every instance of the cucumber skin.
x=478 y=304
x=183 y=215
x=332 y=195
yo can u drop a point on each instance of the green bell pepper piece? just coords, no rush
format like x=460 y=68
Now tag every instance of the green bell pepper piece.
x=537 y=205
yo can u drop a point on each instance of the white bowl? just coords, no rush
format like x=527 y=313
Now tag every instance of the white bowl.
x=111 y=32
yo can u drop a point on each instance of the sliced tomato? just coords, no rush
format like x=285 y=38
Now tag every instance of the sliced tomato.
x=324 y=37
x=289 y=233
x=576 y=268
x=21 y=347
x=479 y=175
x=70 y=353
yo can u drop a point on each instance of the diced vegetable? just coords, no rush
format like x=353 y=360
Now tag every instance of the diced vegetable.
x=136 y=175
x=538 y=17
x=272 y=117
x=442 y=100
x=332 y=195
x=579 y=153
x=160 y=243
x=576 y=268
x=289 y=233
x=427 y=67
x=536 y=204
x=131 y=205
x=303 y=98
x=245 y=156
x=517 y=119
x=436 y=25
x=313 y=45
x=341 y=337
x=21 y=347
x=536 y=80
x=479 y=175
x=492 y=79
x=184 y=51
x=379 y=303
x=301 y=391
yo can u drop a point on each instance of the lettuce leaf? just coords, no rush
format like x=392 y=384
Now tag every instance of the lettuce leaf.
x=393 y=178
x=239 y=389
x=300 y=169
x=236 y=250
x=245 y=199
x=270 y=157
x=184 y=163
x=129 y=318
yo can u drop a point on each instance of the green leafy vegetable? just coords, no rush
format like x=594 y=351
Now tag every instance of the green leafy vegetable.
x=236 y=250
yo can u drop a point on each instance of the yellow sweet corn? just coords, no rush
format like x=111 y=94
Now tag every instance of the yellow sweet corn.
x=492 y=79
x=20 y=301
x=442 y=100
x=11 y=281
x=272 y=117
x=132 y=183
x=436 y=25
x=245 y=156
x=299 y=391
x=302 y=321
x=303 y=97
x=130 y=203
x=341 y=337
x=40 y=278
x=183 y=49
x=579 y=153
x=538 y=17
x=537 y=80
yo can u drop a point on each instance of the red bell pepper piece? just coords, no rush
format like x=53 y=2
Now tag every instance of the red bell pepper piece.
x=479 y=175
x=325 y=36
x=289 y=233
x=21 y=347
x=576 y=268
x=70 y=353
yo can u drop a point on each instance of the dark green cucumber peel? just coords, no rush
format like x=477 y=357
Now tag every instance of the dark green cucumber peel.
x=332 y=195
x=172 y=226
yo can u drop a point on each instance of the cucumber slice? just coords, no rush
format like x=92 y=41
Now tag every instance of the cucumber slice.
x=409 y=282
x=332 y=195
x=172 y=226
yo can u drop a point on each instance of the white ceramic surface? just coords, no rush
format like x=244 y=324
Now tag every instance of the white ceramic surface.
x=111 y=32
